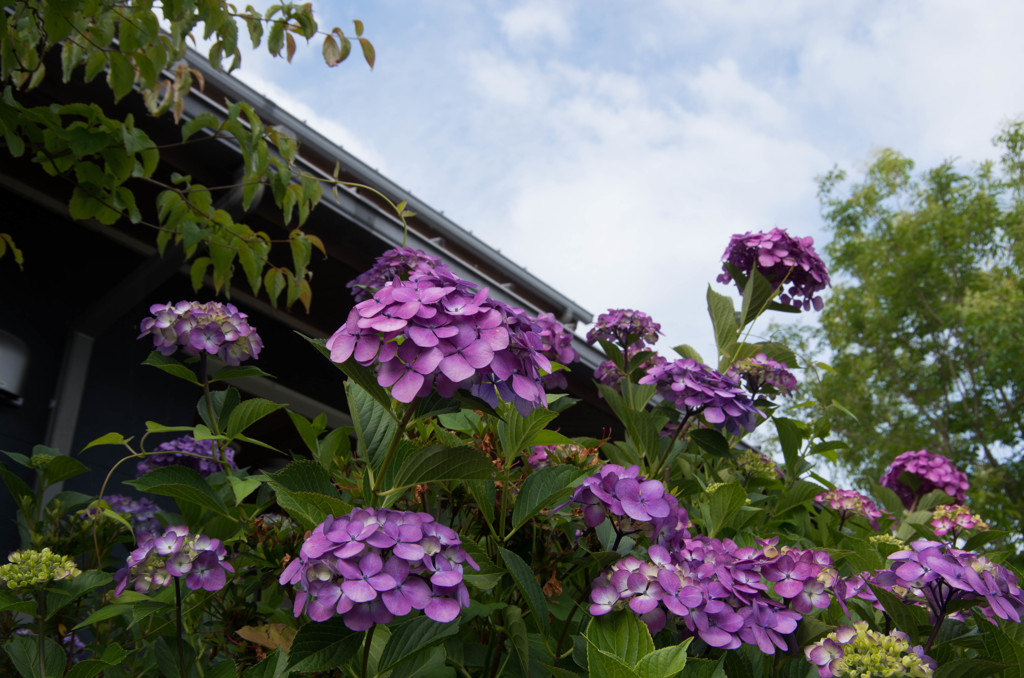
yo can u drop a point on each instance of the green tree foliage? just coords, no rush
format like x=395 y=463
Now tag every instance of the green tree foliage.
x=924 y=325
x=139 y=48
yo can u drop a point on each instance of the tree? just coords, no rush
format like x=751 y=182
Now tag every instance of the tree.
x=140 y=48
x=924 y=325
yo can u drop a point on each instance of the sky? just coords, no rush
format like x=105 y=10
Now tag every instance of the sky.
x=612 y=148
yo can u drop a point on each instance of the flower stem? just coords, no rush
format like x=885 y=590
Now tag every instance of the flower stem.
x=40 y=628
x=367 y=642
x=177 y=609
x=402 y=424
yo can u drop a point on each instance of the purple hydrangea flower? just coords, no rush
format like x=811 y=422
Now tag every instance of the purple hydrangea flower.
x=784 y=261
x=953 y=519
x=696 y=389
x=622 y=492
x=212 y=327
x=199 y=455
x=724 y=594
x=374 y=565
x=933 y=574
x=556 y=345
x=141 y=513
x=850 y=503
x=157 y=560
x=436 y=331
x=399 y=262
x=624 y=327
x=927 y=472
x=762 y=372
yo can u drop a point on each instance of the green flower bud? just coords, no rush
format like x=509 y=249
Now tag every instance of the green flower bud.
x=29 y=568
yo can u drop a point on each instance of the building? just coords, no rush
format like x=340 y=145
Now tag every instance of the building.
x=68 y=322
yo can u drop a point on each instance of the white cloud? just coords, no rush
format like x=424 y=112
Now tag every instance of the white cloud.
x=536 y=21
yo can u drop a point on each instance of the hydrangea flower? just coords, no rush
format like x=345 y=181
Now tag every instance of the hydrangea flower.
x=30 y=568
x=622 y=492
x=556 y=346
x=849 y=503
x=399 y=262
x=953 y=519
x=762 y=372
x=724 y=594
x=435 y=330
x=199 y=455
x=696 y=389
x=141 y=513
x=912 y=475
x=934 y=574
x=374 y=565
x=624 y=327
x=784 y=261
x=212 y=328
x=175 y=553
x=858 y=651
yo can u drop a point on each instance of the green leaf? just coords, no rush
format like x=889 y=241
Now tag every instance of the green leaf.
x=711 y=441
x=801 y=491
x=237 y=372
x=516 y=432
x=368 y=52
x=664 y=663
x=512 y=616
x=527 y=584
x=756 y=295
x=121 y=75
x=323 y=646
x=544 y=489
x=690 y=352
x=791 y=438
x=62 y=467
x=181 y=483
x=243 y=487
x=889 y=500
x=23 y=495
x=273 y=666
x=113 y=655
x=306 y=492
x=606 y=665
x=68 y=590
x=24 y=655
x=723 y=318
x=906 y=618
x=108 y=439
x=725 y=502
x=172 y=367
x=436 y=463
x=622 y=634
x=375 y=424
x=248 y=413
x=1001 y=646
x=975 y=667
x=411 y=637
x=104 y=613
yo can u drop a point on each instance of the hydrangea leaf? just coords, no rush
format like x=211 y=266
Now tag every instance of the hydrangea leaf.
x=525 y=580
x=414 y=635
x=436 y=463
x=723 y=318
x=181 y=484
x=543 y=488
x=664 y=663
x=323 y=646
x=622 y=634
x=517 y=432
x=25 y=656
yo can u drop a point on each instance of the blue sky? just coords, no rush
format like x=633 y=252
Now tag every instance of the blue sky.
x=613 y=147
